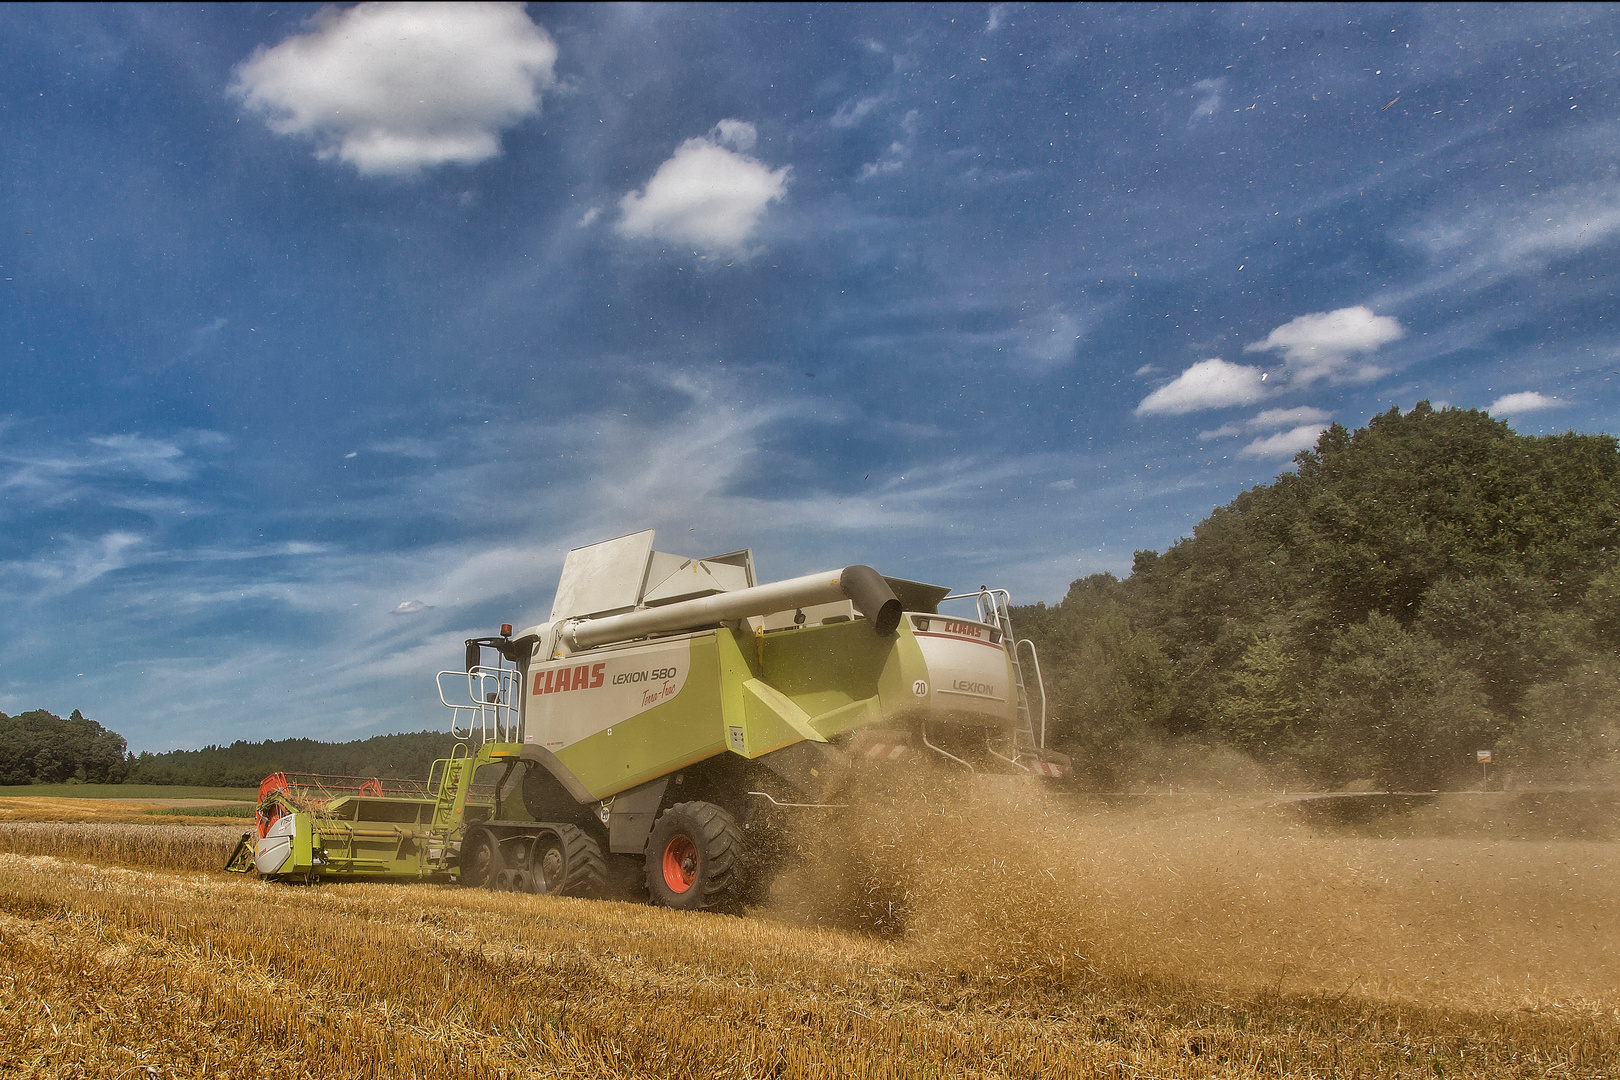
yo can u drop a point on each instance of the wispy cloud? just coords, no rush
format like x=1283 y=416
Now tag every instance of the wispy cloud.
x=852 y=112
x=61 y=470
x=1054 y=339
x=894 y=158
x=408 y=446
x=1208 y=384
x=1477 y=242
x=1322 y=345
x=73 y=563
x=392 y=88
x=706 y=195
x=1209 y=98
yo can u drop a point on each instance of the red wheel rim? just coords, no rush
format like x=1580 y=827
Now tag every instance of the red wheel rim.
x=680 y=863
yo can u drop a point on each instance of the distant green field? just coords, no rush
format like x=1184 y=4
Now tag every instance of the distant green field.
x=127 y=791
x=235 y=810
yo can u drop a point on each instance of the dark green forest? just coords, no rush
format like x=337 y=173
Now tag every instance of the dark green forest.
x=244 y=764
x=1422 y=588
x=39 y=748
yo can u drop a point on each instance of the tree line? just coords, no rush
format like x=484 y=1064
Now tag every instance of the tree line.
x=1418 y=590
x=40 y=748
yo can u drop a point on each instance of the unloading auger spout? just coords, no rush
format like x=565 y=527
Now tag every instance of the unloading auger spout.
x=861 y=585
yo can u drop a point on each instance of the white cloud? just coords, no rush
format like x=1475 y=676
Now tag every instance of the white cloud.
x=1268 y=420
x=1276 y=418
x=1528 y=401
x=740 y=135
x=997 y=12
x=410 y=607
x=1284 y=443
x=392 y=88
x=1320 y=345
x=1208 y=384
x=705 y=195
x=588 y=216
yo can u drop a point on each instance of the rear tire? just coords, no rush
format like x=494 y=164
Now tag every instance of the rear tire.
x=481 y=862
x=694 y=857
x=565 y=861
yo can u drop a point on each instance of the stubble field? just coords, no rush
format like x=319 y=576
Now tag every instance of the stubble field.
x=980 y=932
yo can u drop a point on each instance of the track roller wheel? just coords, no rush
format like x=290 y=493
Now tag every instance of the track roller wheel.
x=694 y=857
x=512 y=881
x=481 y=862
x=565 y=861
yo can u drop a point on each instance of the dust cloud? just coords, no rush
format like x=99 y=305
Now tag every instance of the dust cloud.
x=1003 y=878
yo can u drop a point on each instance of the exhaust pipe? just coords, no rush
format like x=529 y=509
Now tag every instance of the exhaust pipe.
x=861 y=584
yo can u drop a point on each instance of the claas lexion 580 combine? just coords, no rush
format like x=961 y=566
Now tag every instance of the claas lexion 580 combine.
x=664 y=726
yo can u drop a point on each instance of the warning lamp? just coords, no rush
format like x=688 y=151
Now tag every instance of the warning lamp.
x=506 y=629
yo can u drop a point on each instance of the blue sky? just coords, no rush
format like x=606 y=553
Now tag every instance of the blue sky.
x=328 y=331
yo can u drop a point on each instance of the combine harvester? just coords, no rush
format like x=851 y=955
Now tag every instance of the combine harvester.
x=665 y=724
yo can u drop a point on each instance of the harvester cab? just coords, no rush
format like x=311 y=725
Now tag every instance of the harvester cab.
x=672 y=715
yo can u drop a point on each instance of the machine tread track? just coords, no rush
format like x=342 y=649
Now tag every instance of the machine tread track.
x=584 y=871
x=480 y=860
x=713 y=846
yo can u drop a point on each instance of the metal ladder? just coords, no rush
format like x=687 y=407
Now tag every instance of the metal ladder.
x=444 y=803
x=994 y=608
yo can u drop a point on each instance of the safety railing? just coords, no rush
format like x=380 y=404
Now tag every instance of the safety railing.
x=491 y=708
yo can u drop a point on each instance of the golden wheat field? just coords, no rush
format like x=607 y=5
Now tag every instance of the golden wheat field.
x=997 y=933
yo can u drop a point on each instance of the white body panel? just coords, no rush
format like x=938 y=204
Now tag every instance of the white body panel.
x=275 y=847
x=967 y=671
x=575 y=697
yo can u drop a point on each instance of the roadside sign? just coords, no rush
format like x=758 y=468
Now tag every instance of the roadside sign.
x=1483 y=756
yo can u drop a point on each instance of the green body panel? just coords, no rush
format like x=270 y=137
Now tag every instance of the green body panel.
x=369 y=836
x=751 y=695
x=676 y=733
x=771 y=720
x=843 y=676
x=823 y=668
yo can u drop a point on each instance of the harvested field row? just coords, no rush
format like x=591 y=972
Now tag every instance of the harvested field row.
x=109 y=970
